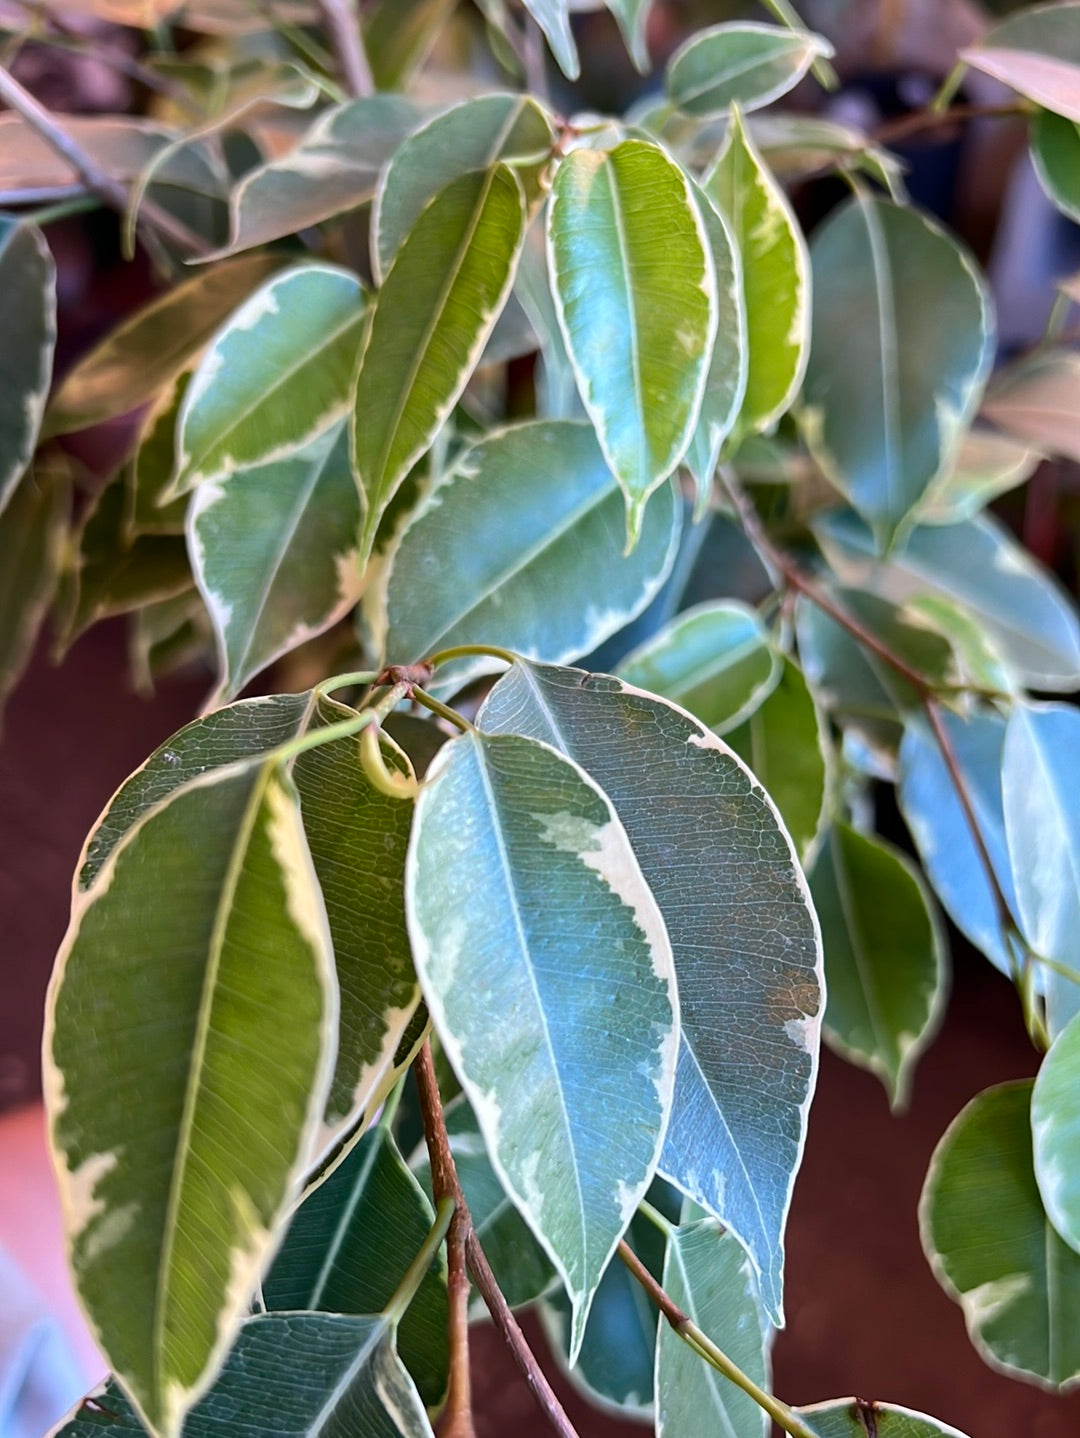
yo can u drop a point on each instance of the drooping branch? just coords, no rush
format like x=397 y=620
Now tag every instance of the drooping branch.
x=444 y=1181
x=109 y=191
x=343 y=26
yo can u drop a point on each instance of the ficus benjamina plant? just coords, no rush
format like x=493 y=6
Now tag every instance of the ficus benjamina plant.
x=604 y=542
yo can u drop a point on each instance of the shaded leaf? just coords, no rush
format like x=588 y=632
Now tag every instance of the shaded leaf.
x=901 y=346
x=273 y=549
x=290 y=1375
x=709 y=1276
x=714 y=659
x=28 y=324
x=992 y=1247
x=1036 y=53
x=32 y=531
x=983 y=466
x=781 y=743
x=1039 y=786
x=434 y=313
x=169 y=1220
x=1037 y=400
x=749 y=1028
x=121 y=147
x=511 y=845
x=849 y=1418
x=398 y=35
x=776 y=277
x=278 y=374
x=334 y=168
x=149 y=350
x=978 y=565
x=149 y=475
x=885 y=955
x=553 y=17
x=636 y=297
x=166 y=636
x=473 y=135
x=1055 y=150
x=521 y=545
x=349 y=1245
x=744 y=64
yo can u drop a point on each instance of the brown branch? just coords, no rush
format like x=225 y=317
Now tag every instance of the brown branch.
x=444 y=1181
x=343 y=25
x=108 y=190
x=922 y=120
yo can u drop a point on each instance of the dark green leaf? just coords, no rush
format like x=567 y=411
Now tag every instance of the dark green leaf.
x=28 y=326
x=32 y=532
x=1055 y=149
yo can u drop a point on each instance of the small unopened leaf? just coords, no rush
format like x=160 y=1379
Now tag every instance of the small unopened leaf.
x=1040 y=782
x=1038 y=400
x=749 y=1029
x=901 y=346
x=471 y=136
x=521 y=545
x=436 y=308
x=32 y=531
x=707 y=1273
x=169 y=1220
x=748 y=64
x=714 y=659
x=513 y=845
x=28 y=326
x=885 y=955
x=635 y=291
x=273 y=548
x=290 y=1375
x=776 y=277
x=1036 y=53
x=992 y=1246
x=151 y=348
x=853 y=1417
x=350 y=1244
x=277 y=375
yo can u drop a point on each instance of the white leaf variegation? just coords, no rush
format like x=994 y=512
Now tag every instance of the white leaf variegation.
x=532 y=928
x=743 y=931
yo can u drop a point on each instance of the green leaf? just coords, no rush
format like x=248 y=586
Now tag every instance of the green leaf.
x=749 y=65
x=28 y=324
x=1025 y=613
x=1036 y=53
x=556 y=388
x=852 y=1417
x=885 y=956
x=473 y=135
x=794 y=146
x=711 y=1279
x=334 y=168
x=520 y=545
x=776 y=278
x=33 y=528
x=1055 y=1128
x=277 y=375
x=398 y=35
x=714 y=659
x=149 y=475
x=725 y=384
x=983 y=466
x=635 y=293
x=725 y=876
x=935 y=816
x=631 y=16
x=614 y=1370
x=290 y=1375
x=273 y=549
x=521 y=1267
x=1055 y=150
x=165 y=636
x=350 y=1244
x=1039 y=787
x=149 y=350
x=553 y=17
x=901 y=346
x=992 y=1247
x=781 y=743
x=435 y=310
x=512 y=846
x=170 y=1219
x=357 y=839
x=1037 y=400
x=114 y=573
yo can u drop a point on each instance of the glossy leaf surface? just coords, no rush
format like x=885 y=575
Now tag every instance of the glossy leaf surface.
x=1055 y=150
x=511 y=844
x=850 y=1417
x=749 y=986
x=1036 y=53
x=748 y=64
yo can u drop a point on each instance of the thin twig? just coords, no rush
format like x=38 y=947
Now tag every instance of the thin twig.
x=343 y=24
x=922 y=120
x=706 y=1349
x=444 y=1180
x=108 y=190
